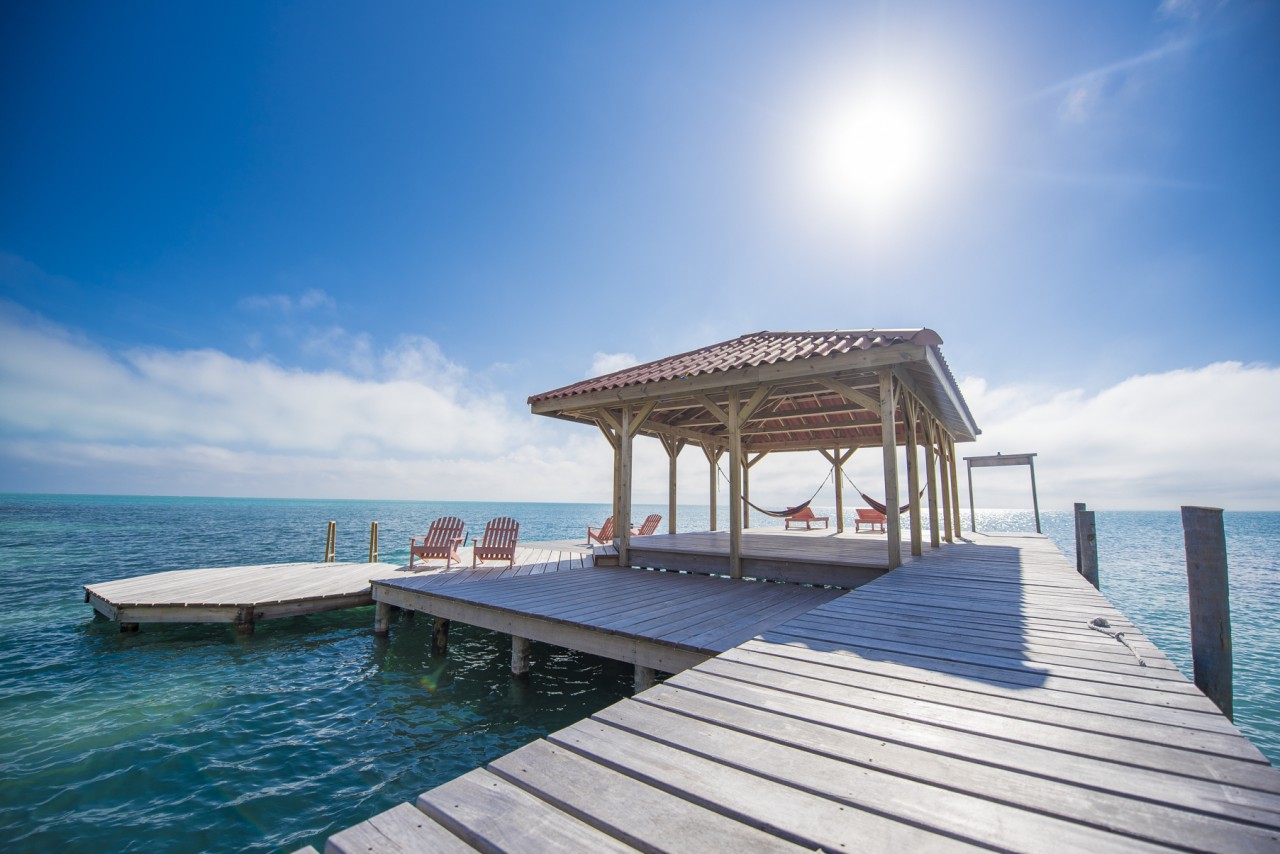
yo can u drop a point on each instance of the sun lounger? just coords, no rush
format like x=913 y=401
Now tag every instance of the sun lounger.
x=806 y=516
x=873 y=519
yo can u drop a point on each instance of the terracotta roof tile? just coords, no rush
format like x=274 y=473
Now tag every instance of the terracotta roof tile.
x=758 y=348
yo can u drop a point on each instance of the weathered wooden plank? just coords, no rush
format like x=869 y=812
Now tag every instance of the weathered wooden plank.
x=401 y=829
x=625 y=807
x=489 y=813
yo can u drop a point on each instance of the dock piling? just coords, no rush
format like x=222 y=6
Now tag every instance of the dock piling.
x=1087 y=543
x=381 y=617
x=373 y=542
x=1208 y=593
x=331 y=543
x=1079 y=508
x=645 y=677
x=440 y=636
x=519 y=656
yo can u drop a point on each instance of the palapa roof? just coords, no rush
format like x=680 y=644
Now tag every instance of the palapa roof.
x=822 y=388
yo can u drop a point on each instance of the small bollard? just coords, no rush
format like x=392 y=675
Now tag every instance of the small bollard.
x=1208 y=593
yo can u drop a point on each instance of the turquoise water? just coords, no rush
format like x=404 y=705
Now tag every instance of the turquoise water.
x=181 y=738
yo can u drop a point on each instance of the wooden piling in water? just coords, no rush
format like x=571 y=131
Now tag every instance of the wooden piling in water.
x=519 y=656
x=373 y=542
x=331 y=543
x=645 y=677
x=1079 y=508
x=440 y=636
x=1208 y=594
x=381 y=617
x=1087 y=542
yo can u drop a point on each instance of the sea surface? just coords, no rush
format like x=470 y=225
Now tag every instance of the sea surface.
x=191 y=738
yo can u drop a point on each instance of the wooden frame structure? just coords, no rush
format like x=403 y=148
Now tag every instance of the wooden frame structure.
x=832 y=392
x=1002 y=460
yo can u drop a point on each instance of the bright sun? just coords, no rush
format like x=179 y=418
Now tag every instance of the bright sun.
x=872 y=155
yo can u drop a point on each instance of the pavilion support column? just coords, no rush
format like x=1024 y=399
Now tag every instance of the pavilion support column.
x=913 y=473
x=955 y=483
x=749 y=463
x=931 y=480
x=673 y=448
x=622 y=519
x=945 y=482
x=889 y=442
x=837 y=461
x=839 y=472
x=735 y=486
x=713 y=458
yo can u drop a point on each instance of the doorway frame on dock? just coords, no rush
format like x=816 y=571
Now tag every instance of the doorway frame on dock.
x=832 y=392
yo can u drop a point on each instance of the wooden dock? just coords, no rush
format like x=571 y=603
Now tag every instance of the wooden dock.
x=665 y=621
x=961 y=701
x=808 y=557
x=245 y=595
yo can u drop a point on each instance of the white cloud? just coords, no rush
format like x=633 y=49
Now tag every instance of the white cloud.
x=309 y=300
x=77 y=417
x=607 y=363
x=1195 y=436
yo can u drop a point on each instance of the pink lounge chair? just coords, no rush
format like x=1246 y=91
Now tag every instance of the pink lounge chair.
x=602 y=535
x=873 y=519
x=440 y=542
x=650 y=525
x=806 y=516
x=499 y=541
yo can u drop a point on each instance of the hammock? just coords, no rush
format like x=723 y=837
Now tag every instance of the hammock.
x=781 y=514
x=878 y=506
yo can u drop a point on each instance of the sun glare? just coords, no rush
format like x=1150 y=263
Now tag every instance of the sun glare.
x=873 y=156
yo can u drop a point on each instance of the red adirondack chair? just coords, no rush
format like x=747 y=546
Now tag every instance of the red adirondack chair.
x=498 y=542
x=650 y=525
x=441 y=541
x=602 y=535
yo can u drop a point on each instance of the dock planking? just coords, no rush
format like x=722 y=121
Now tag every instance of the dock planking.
x=247 y=594
x=960 y=701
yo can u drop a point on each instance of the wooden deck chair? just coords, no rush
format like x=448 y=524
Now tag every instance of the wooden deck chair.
x=441 y=541
x=602 y=535
x=499 y=541
x=650 y=525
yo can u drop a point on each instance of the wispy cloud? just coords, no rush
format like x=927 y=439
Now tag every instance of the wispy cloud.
x=1081 y=87
x=309 y=300
x=607 y=363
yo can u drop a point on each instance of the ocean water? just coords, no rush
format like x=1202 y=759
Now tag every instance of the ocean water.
x=182 y=738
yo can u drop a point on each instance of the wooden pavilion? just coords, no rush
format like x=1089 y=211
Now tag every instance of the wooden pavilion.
x=832 y=392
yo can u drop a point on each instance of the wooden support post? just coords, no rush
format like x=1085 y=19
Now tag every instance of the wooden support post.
x=948 y=533
x=373 y=542
x=713 y=458
x=748 y=463
x=735 y=486
x=1209 y=595
x=126 y=628
x=837 y=461
x=622 y=521
x=889 y=443
x=913 y=474
x=673 y=448
x=931 y=481
x=439 y=636
x=519 y=656
x=1035 y=499
x=381 y=618
x=973 y=516
x=331 y=543
x=955 y=483
x=645 y=677
x=245 y=621
x=1079 y=508
x=1088 y=543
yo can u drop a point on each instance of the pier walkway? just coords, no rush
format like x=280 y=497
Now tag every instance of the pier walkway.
x=960 y=701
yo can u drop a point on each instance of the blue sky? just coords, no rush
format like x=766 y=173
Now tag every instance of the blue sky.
x=328 y=249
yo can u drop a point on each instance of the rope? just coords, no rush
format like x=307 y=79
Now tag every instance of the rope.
x=780 y=514
x=1100 y=624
